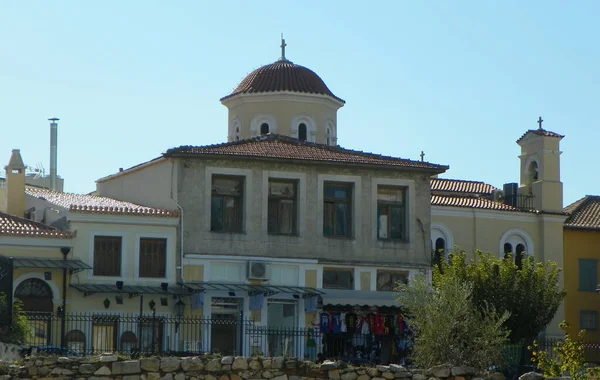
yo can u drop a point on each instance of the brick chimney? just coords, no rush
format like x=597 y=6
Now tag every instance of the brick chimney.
x=15 y=185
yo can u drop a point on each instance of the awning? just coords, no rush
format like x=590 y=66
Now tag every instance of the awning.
x=43 y=263
x=267 y=290
x=132 y=290
x=359 y=298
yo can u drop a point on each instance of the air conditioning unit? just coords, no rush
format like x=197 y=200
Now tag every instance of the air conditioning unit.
x=258 y=270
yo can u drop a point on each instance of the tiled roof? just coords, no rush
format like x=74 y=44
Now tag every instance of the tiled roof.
x=541 y=132
x=11 y=225
x=461 y=186
x=471 y=202
x=280 y=147
x=279 y=76
x=584 y=213
x=92 y=204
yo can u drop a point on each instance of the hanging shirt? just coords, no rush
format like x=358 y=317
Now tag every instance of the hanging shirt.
x=351 y=323
x=337 y=323
x=388 y=325
x=364 y=325
x=400 y=324
x=378 y=324
x=325 y=322
x=344 y=327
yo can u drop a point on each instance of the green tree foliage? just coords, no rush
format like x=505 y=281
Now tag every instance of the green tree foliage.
x=531 y=294
x=18 y=332
x=449 y=328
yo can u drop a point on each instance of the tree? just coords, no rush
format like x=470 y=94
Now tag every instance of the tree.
x=18 y=331
x=531 y=294
x=450 y=328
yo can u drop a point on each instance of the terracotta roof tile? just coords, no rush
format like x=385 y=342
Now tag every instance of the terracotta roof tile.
x=11 y=225
x=471 y=202
x=540 y=132
x=279 y=76
x=584 y=213
x=280 y=147
x=92 y=204
x=461 y=186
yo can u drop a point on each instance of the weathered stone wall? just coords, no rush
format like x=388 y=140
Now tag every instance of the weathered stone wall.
x=208 y=367
x=9 y=352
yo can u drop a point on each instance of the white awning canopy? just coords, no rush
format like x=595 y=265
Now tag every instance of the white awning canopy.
x=359 y=298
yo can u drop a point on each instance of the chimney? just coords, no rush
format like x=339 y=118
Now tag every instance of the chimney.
x=53 y=151
x=15 y=185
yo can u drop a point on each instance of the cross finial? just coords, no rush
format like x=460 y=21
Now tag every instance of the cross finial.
x=422 y=156
x=540 y=121
x=283 y=45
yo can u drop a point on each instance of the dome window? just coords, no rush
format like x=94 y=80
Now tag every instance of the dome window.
x=302 y=135
x=264 y=128
x=328 y=136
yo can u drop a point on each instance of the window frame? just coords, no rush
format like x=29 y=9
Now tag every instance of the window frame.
x=242 y=204
x=120 y=263
x=391 y=273
x=338 y=269
x=579 y=278
x=389 y=204
x=583 y=314
x=278 y=199
x=349 y=186
x=139 y=258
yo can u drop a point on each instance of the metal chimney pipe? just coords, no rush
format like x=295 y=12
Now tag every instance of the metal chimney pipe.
x=53 y=151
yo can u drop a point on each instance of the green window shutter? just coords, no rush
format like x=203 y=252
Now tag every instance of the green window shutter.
x=588 y=275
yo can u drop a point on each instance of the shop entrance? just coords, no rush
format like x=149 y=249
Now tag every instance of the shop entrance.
x=282 y=322
x=226 y=322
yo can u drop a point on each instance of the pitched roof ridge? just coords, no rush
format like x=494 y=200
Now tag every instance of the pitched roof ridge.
x=460 y=180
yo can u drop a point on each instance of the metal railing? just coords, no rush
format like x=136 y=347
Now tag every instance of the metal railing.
x=522 y=202
x=129 y=334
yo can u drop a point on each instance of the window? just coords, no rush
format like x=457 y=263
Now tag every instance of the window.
x=439 y=251
x=264 y=128
x=335 y=278
x=226 y=204
x=237 y=133
x=588 y=320
x=107 y=255
x=391 y=221
x=75 y=341
x=507 y=249
x=104 y=333
x=388 y=281
x=519 y=255
x=328 y=136
x=153 y=257
x=337 y=216
x=282 y=207
x=302 y=132
x=588 y=275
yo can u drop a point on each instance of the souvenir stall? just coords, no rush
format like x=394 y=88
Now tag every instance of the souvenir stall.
x=362 y=334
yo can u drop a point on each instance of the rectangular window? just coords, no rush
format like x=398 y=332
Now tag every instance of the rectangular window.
x=153 y=257
x=104 y=333
x=388 y=281
x=336 y=278
x=226 y=213
x=391 y=213
x=337 y=210
x=588 y=275
x=107 y=255
x=588 y=320
x=282 y=207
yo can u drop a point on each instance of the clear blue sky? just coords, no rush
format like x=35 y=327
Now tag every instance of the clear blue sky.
x=461 y=80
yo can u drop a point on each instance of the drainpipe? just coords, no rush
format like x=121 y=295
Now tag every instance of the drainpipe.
x=65 y=251
x=180 y=268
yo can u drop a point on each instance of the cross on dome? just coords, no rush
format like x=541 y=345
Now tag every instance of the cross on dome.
x=540 y=121
x=283 y=45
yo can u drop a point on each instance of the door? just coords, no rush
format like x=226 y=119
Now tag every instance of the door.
x=282 y=329
x=225 y=326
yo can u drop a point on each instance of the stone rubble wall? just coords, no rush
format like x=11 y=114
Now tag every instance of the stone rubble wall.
x=9 y=352
x=209 y=367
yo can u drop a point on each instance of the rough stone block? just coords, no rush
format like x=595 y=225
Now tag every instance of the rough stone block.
x=267 y=363
x=170 y=364
x=267 y=374
x=440 y=371
x=131 y=377
x=373 y=372
x=531 y=376
x=150 y=364
x=58 y=371
x=227 y=360
x=402 y=375
x=333 y=374
x=44 y=371
x=382 y=368
x=239 y=363
x=328 y=365
x=349 y=376
x=50 y=360
x=419 y=376
x=210 y=377
x=87 y=369
x=192 y=364
x=103 y=371
x=129 y=367
x=223 y=377
x=291 y=364
x=63 y=359
x=388 y=375
x=108 y=358
x=235 y=377
x=151 y=376
x=167 y=376
x=278 y=362
x=496 y=376
x=255 y=365
x=281 y=377
x=179 y=376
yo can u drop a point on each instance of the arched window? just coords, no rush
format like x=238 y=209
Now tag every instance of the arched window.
x=264 y=128
x=520 y=251
x=128 y=341
x=302 y=132
x=237 y=133
x=440 y=250
x=508 y=249
x=35 y=294
x=75 y=341
x=328 y=137
x=533 y=172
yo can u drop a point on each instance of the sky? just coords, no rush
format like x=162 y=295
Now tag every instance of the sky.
x=459 y=80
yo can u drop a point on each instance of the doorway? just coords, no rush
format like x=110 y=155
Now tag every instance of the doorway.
x=36 y=297
x=226 y=315
x=282 y=322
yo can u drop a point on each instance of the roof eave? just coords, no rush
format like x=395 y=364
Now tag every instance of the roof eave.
x=438 y=169
x=582 y=228
x=236 y=95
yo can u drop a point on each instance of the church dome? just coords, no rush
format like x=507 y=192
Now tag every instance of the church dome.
x=282 y=75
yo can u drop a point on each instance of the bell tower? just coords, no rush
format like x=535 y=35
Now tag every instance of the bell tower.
x=540 y=168
x=15 y=184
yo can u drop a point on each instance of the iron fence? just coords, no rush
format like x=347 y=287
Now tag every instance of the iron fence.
x=591 y=350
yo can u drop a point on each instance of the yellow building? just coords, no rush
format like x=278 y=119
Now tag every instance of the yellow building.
x=581 y=242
